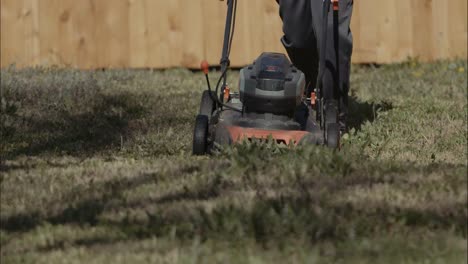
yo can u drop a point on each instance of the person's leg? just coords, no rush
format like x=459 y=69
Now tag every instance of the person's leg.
x=336 y=77
x=300 y=44
x=299 y=39
x=302 y=23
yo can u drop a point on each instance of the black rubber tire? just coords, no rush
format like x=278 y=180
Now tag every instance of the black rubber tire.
x=327 y=113
x=200 y=135
x=207 y=105
x=331 y=113
x=333 y=135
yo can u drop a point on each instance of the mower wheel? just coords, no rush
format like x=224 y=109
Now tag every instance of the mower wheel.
x=200 y=135
x=207 y=105
x=333 y=135
x=331 y=113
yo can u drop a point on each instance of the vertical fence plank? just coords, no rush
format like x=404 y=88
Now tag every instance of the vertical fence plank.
x=50 y=37
x=384 y=25
x=440 y=26
x=31 y=34
x=66 y=33
x=18 y=41
x=175 y=37
x=273 y=27
x=213 y=20
x=403 y=14
x=60 y=17
x=138 y=33
x=112 y=33
x=394 y=43
x=355 y=26
x=244 y=36
x=257 y=28
x=158 y=33
x=422 y=28
x=192 y=31
x=457 y=32
x=8 y=25
x=84 y=28
x=368 y=33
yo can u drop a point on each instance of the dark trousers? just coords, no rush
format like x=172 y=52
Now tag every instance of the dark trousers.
x=302 y=26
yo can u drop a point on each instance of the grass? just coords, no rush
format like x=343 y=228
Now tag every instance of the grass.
x=96 y=168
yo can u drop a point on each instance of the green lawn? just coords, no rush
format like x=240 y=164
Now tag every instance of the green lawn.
x=97 y=168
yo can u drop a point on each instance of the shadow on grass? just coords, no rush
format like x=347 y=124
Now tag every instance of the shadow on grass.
x=92 y=127
x=85 y=211
x=362 y=112
x=271 y=220
x=315 y=217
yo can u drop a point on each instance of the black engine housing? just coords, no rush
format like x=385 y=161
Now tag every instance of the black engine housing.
x=271 y=85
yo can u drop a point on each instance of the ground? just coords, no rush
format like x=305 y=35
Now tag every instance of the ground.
x=97 y=168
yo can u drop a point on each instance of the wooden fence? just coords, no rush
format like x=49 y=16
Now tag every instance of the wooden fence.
x=171 y=33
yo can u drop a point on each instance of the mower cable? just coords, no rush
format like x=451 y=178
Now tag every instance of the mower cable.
x=216 y=99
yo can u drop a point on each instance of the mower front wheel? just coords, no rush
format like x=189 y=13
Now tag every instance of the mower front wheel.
x=200 y=135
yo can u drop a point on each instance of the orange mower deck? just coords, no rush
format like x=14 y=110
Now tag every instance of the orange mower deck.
x=238 y=134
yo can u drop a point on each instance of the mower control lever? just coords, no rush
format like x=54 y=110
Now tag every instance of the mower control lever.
x=204 y=66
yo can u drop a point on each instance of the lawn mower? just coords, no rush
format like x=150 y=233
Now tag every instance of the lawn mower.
x=272 y=102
